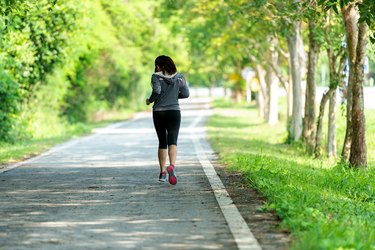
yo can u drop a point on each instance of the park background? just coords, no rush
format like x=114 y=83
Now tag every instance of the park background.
x=69 y=66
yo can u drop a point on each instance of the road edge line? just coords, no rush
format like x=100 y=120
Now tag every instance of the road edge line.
x=241 y=232
x=52 y=150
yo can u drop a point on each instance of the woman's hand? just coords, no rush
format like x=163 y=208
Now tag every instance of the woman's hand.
x=147 y=101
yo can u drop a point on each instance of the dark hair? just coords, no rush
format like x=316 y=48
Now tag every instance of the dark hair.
x=166 y=64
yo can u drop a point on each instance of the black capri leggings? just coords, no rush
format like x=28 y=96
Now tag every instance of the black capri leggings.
x=167 y=125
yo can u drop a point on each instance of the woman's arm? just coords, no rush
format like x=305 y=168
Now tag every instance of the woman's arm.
x=183 y=89
x=156 y=89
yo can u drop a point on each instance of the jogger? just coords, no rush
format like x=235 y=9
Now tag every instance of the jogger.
x=167 y=87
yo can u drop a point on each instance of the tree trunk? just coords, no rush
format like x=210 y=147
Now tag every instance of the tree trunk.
x=358 y=149
x=272 y=84
x=309 y=120
x=331 y=138
x=289 y=108
x=273 y=92
x=350 y=17
x=285 y=82
x=294 y=47
x=335 y=76
x=274 y=99
x=319 y=129
x=262 y=93
x=290 y=98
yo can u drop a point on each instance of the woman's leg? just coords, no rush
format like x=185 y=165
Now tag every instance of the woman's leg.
x=172 y=153
x=159 y=123
x=162 y=156
x=173 y=128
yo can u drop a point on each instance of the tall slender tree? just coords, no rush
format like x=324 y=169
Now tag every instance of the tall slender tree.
x=332 y=42
x=295 y=47
x=356 y=34
x=309 y=119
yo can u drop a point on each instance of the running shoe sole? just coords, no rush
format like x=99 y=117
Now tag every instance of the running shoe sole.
x=172 y=175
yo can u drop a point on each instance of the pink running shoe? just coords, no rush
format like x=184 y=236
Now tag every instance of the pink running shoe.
x=172 y=175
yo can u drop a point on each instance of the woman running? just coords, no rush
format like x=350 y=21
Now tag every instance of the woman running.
x=167 y=87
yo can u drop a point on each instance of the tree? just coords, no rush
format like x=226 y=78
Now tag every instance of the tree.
x=336 y=57
x=272 y=82
x=358 y=147
x=295 y=47
x=289 y=25
x=358 y=16
x=314 y=27
x=356 y=35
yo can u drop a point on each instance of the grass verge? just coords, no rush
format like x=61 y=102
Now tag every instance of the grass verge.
x=322 y=204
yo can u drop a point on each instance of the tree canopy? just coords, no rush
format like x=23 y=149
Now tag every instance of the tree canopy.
x=70 y=59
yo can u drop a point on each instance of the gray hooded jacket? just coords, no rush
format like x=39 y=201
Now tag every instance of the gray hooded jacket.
x=166 y=90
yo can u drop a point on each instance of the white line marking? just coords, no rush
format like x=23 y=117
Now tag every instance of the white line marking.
x=73 y=142
x=241 y=232
x=51 y=151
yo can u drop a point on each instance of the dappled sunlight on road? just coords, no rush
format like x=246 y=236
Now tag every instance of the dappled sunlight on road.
x=103 y=191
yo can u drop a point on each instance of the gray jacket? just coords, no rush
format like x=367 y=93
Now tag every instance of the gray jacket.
x=166 y=90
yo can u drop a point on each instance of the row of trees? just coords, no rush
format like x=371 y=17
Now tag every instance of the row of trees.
x=282 y=41
x=63 y=61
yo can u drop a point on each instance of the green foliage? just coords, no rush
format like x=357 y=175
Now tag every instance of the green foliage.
x=9 y=97
x=367 y=14
x=324 y=205
x=35 y=41
x=366 y=10
x=78 y=95
x=92 y=56
x=99 y=78
x=34 y=37
x=206 y=25
x=227 y=35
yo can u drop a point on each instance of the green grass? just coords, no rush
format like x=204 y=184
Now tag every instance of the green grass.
x=48 y=136
x=323 y=205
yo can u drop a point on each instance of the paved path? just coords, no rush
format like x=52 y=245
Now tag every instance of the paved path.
x=102 y=192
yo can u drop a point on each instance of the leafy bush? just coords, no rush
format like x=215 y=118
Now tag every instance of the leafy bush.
x=9 y=108
x=34 y=41
x=69 y=60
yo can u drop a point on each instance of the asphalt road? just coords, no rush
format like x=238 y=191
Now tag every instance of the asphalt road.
x=102 y=192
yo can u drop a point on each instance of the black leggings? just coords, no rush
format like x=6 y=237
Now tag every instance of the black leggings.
x=167 y=125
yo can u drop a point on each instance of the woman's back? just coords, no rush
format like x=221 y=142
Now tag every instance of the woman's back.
x=169 y=88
